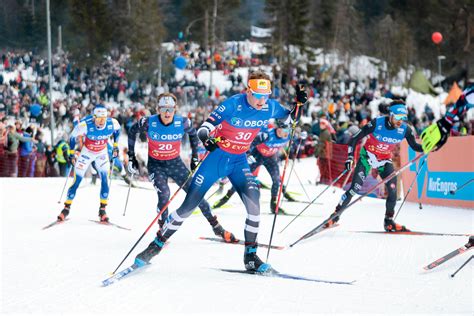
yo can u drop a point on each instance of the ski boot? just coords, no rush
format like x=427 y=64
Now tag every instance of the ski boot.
x=273 y=204
x=254 y=263
x=223 y=200
x=65 y=212
x=126 y=179
x=470 y=243
x=102 y=214
x=154 y=248
x=221 y=232
x=390 y=226
x=333 y=221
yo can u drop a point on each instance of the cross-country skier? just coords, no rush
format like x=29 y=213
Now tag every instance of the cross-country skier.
x=165 y=132
x=264 y=151
x=384 y=133
x=227 y=134
x=436 y=135
x=97 y=129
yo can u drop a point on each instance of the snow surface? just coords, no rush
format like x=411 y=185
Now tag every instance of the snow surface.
x=59 y=270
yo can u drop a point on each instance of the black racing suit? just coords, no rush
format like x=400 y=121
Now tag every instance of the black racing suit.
x=160 y=170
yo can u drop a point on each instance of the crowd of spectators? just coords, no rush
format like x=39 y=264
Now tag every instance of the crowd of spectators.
x=338 y=105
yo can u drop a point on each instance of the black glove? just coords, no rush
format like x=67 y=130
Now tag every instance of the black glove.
x=194 y=162
x=71 y=158
x=444 y=129
x=349 y=162
x=211 y=143
x=133 y=166
x=301 y=95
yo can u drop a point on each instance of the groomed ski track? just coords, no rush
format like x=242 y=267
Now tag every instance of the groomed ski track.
x=59 y=270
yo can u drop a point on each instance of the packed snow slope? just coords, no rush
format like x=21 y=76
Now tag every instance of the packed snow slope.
x=59 y=270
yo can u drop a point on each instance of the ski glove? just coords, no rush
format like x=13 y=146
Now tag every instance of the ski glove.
x=301 y=95
x=349 y=162
x=133 y=166
x=115 y=151
x=71 y=159
x=211 y=143
x=435 y=135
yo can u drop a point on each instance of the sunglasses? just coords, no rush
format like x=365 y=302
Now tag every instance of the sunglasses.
x=166 y=109
x=400 y=117
x=258 y=96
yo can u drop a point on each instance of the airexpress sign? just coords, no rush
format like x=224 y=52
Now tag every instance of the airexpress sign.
x=444 y=171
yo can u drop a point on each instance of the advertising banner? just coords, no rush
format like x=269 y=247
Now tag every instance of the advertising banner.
x=443 y=173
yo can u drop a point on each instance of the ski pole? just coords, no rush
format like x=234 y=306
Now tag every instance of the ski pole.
x=461 y=187
x=452 y=275
x=191 y=174
x=296 y=174
x=128 y=194
x=411 y=186
x=293 y=161
x=71 y=168
x=282 y=178
x=302 y=186
x=395 y=173
x=312 y=202
x=344 y=183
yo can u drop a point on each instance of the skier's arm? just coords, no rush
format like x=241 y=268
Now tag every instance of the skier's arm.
x=261 y=138
x=462 y=105
x=79 y=130
x=116 y=133
x=216 y=117
x=412 y=141
x=193 y=138
x=137 y=128
x=436 y=135
x=366 y=130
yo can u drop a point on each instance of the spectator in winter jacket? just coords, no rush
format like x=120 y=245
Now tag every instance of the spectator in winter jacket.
x=26 y=154
x=40 y=164
x=62 y=149
x=13 y=142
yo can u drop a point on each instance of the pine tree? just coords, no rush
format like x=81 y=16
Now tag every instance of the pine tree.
x=92 y=26
x=146 y=36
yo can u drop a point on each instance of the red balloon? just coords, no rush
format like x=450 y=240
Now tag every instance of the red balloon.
x=436 y=37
